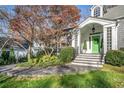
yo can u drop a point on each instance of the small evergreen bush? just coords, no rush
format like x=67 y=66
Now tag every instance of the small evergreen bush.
x=115 y=57
x=122 y=49
x=8 y=57
x=3 y=55
x=67 y=54
x=12 y=58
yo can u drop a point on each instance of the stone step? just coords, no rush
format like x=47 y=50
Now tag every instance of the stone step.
x=89 y=56
x=88 y=59
x=86 y=62
x=89 y=65
x=92 y=60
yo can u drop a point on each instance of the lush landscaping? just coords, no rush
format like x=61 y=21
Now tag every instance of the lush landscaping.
x=108 y=76
x=66 y=55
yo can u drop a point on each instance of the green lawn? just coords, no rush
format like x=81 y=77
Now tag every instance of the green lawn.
x=108 y=76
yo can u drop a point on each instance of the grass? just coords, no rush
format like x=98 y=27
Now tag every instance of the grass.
x=108 y=76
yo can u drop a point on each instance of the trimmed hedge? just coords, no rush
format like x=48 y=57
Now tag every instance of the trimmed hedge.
x=67 y=54
x=122 y=49
x=115 y=57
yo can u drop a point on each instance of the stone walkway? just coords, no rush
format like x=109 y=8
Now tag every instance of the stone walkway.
x=12 y=70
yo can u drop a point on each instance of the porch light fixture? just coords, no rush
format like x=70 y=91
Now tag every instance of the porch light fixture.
x=93 y=29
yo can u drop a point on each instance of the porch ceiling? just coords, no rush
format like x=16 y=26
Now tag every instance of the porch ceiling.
x=88 y=28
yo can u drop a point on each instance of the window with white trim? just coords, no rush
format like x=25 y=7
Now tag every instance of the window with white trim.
x=97 y=11
x=109 y=38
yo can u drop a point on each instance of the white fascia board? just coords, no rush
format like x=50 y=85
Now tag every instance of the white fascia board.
x=96 y=20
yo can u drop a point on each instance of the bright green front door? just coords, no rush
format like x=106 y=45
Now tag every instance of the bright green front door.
x=95 y=44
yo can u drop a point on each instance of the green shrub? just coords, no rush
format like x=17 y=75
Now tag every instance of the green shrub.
x=67 y=54
x=45 y=59
x=12 y=58
x=122 y=49
x=1 y=61
x=8 y=57
x=54 y=59
x=48 y=60
x=3 y=55
x=115 y=57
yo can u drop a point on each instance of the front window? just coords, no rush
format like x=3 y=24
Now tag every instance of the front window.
x=97 y=11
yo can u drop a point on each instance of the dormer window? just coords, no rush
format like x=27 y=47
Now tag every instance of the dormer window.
x=97 y=12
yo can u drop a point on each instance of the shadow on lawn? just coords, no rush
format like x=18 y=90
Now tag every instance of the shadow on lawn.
x=4 y=79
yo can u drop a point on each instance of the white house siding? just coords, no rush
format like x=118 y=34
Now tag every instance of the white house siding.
x=121 y=34
x=19 y=53
x=115 y=12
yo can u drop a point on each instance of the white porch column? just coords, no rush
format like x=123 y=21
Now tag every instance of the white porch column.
x=114 y=38
x=73 y=41
x=78 y=41
x=104 y=39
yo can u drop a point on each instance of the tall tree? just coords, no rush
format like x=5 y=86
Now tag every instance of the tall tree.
x=57 y=23
x=42 y=24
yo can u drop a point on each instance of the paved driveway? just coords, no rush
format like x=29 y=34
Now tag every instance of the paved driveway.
x=6 y=68
x=13 y=71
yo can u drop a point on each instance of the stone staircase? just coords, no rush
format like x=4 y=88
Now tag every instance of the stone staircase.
x=90 y=60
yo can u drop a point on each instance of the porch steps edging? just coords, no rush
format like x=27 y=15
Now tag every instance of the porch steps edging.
x=87 y=65
x=92 y=60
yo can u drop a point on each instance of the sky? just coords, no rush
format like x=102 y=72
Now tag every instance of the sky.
x=85 y=11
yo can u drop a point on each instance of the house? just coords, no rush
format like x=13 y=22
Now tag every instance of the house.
x=19 y=51
x=102 y=31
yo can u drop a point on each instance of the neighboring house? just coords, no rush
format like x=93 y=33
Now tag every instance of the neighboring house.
x=102 y=31
x=19 y=51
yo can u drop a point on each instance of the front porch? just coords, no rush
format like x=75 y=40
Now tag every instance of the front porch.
x=91 y=41
x=95 y=35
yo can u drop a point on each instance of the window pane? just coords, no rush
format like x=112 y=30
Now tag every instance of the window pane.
x=97 y=11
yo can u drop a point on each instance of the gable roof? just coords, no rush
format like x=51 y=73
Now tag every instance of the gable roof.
x=102 y=21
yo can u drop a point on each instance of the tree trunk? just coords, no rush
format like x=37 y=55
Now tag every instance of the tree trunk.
x=30 y=53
